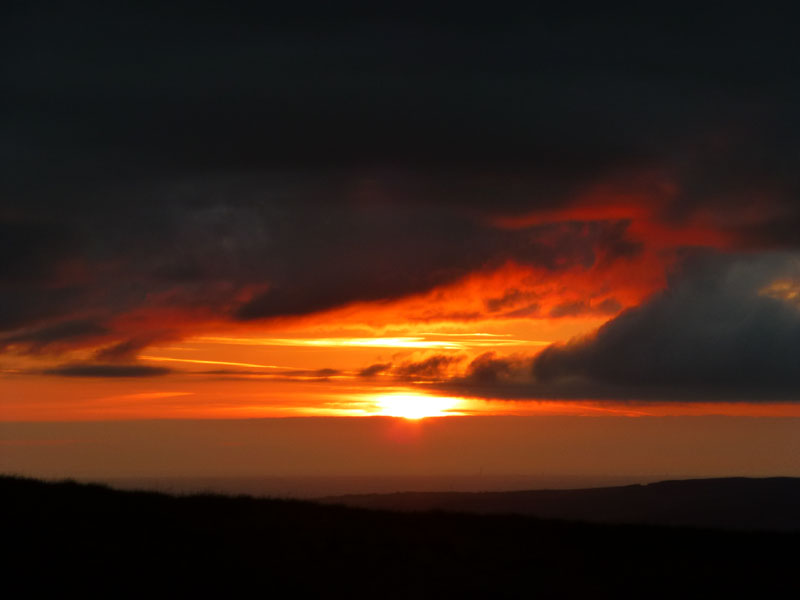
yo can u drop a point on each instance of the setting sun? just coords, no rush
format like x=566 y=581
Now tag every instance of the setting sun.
x=416 y=406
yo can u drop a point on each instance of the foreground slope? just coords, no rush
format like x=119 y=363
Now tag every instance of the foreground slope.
x=68 y=536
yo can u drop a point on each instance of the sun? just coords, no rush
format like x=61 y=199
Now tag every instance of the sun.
x=416 y=406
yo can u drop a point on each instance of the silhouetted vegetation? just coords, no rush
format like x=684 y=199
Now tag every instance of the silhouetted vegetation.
x=97 y=541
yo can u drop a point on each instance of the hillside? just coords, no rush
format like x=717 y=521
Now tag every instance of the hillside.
x=91 y=539
x=729 y=503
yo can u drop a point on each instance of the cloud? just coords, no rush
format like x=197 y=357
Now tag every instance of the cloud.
x=574 y=308
x=510 y=298
x=713 y=333
x=287 y=375
x=490 y=368
x=435 y=367
x=397 y=243
x=128 y=349
x=163 y=171
x=375 y=369
x=106 y=370
x=199 y=260
x=33 y=250
x=516 y=303
x=727 y=328
x=55 y=335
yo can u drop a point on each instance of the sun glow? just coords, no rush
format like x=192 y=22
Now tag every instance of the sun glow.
x=425 y=341
x=416 y=406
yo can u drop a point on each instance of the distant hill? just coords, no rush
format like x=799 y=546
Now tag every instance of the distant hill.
x=62 y=538
x=730 y=503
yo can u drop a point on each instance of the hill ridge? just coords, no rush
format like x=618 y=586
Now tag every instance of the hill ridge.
x=740 y=503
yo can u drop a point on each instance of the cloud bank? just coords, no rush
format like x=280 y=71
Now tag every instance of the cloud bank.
x=165 y=171
x=727 y=328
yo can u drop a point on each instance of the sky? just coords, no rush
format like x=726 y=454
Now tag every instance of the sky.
x=241 y=212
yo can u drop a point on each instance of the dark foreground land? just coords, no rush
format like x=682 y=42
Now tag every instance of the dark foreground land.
x=62 y=537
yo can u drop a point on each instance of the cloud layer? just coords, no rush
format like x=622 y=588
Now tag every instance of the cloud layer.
x=714 y=330
x=727 y=328
x=168 y=170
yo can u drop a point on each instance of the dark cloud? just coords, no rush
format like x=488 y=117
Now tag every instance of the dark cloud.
x=39 y=306
x=569 y=309
x=723 y=330
x=530 y=311
x=433 y=367
x=608 y=306
x=259 y=163
x=502 y=110
x=510 y=298
x=105 y=370
x=489 y=368
x=213 y=249
x=375 y=369
x=774 y=231
x=33 y=251
x=713 y=333
x=324 y=372
x=287 y=375
x=128 y=349
x=400 y=241
x=575 y=308
x=40 y=339
x=727 y=328
x=515 y=304
x=430 y=368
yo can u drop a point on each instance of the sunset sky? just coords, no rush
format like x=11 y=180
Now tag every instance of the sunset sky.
x=532 y=217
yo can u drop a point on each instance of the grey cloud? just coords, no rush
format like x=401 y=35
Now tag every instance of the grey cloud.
x=717 y=333
x=711 y=335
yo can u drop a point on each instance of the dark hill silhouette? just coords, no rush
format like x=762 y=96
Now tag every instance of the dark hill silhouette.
x=730 y=503
x=63 y=538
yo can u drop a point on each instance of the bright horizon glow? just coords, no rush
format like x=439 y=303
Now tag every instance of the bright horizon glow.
x=418 y=341
x=415 y=406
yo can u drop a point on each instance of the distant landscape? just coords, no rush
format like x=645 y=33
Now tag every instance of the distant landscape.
x=730 y=503
x=738 y=503
x=319 y=486
x=67 y=536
